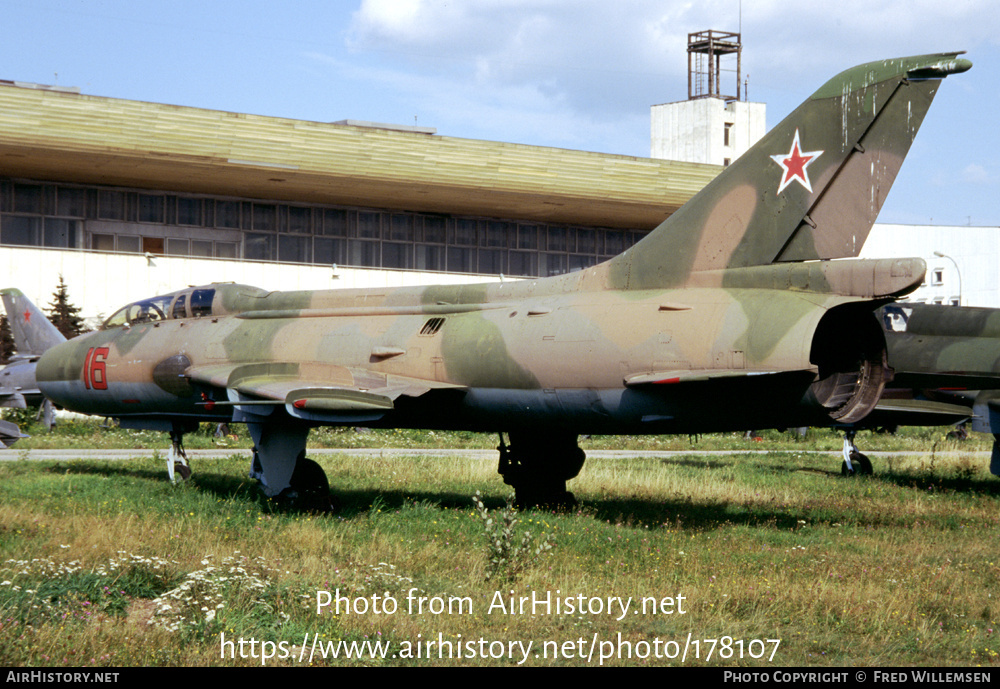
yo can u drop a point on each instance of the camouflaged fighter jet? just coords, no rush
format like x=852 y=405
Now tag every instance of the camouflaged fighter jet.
x=946 y=363
x=33 y=334
x=728 y=316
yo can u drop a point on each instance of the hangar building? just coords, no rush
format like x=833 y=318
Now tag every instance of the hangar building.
x=127 y=199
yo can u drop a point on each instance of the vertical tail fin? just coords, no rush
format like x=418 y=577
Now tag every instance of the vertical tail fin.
x=33 y=332
x=810 y=189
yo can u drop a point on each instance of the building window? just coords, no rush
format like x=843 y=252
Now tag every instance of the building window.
x=397 y=255
x=293 y=249
x=551 y=264
x=461 y=260
x=428 y=257
x=364 y=254
x=177 y=247
x=151 y=245
x=21 y=231
x=937 y=277
x=491 y=261
x=265 y=217
x=227 y=214
x=335 y=223
x=71 y=202
x=150 y=208
x=130 y=244
x=401 y=227
x=110 y=205
x=434 y=230
x=369 y=226
x=56 y=216
x=189 y=211
x=258 y=246
x=464 y=233
x=299 y=219
x=27 y=198
x=329 y=251
x=494 y=234
x=527 y=237
x=201 y=248
x=60 y=234
x=102 y=242
x=523 y=263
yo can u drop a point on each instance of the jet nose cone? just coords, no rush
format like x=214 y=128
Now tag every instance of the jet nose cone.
x=60 y=363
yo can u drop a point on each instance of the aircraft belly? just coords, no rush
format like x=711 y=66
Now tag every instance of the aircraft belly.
x=119 y=398
x=713 y=406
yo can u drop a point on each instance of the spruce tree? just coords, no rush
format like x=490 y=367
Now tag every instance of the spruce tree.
x=7 y=347
x=64 y=315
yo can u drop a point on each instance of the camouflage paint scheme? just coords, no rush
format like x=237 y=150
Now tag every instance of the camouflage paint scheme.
x=728 y=316
x=946 y=363
x=33 y=334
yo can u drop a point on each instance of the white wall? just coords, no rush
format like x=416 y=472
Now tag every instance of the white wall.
x=100 y=283
x=693 y=130
x=975 y=250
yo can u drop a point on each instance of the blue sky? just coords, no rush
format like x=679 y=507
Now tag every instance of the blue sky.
x=578 y=74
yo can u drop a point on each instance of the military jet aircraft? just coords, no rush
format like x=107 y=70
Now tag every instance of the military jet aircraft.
x=729 y=315
x=33 y=334
x=946 y=368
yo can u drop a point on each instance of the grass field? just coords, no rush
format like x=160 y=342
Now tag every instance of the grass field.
x=740 y=560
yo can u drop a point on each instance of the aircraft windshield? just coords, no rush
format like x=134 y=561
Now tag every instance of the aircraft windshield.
x=147 y=311
x=172 y=306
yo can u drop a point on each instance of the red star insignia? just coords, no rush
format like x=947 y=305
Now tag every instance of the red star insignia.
x=795 y=164
x=27 y=316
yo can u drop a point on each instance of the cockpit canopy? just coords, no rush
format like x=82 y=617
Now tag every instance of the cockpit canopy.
x=192 y=303
x=218 y=299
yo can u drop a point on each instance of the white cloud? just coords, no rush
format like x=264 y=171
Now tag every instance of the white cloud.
x=604 y=58
x=975 y=173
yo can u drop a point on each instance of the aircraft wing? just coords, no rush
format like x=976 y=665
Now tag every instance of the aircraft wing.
x=9 y=434
x=10 y=397
x=313 y=392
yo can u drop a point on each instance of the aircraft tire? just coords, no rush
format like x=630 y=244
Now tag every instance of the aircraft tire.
x=309 y=481
x=862 y=466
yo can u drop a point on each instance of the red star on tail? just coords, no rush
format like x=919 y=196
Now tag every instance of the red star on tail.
x=795 y=164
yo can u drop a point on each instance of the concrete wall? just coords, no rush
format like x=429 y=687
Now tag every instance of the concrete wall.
x=694 y=130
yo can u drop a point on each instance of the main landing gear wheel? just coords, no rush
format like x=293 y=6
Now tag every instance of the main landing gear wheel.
x=862 y=466
x=538 y=465
x=311 y=486
x=855 y=463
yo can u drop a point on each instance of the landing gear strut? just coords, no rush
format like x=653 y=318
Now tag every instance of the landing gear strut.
x=538 y=464
x=280 y=464
x=855 y=463
x=177 y=462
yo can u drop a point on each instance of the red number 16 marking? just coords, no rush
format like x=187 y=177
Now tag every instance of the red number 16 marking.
x=95 y=368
